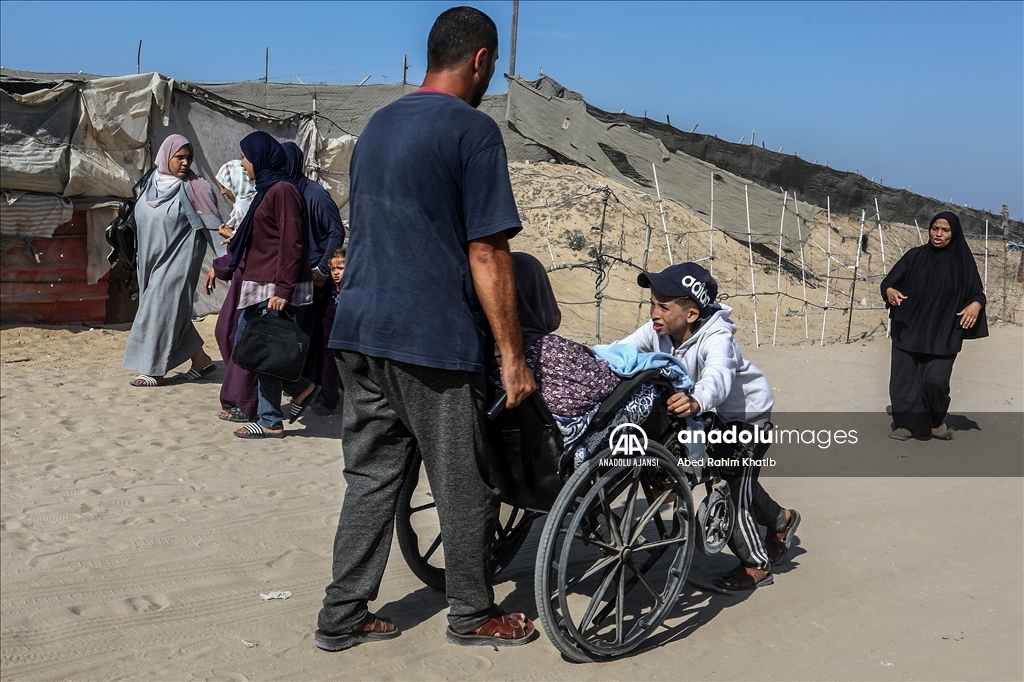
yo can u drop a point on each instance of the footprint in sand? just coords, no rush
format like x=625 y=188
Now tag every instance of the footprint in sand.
x=130 y=606
x=286 y=559
x=221 y=675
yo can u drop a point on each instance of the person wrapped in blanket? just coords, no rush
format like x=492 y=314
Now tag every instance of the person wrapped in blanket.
x=571 y=378
x=687 y=322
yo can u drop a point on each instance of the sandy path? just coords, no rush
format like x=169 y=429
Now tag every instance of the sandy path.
x=137 y=536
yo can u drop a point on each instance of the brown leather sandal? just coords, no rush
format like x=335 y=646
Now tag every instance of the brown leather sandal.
x=778 y=542
x=372 y=629
x=742 y=579
x=503 y=629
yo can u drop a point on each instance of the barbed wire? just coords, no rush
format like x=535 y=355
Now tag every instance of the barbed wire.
x=840 y=290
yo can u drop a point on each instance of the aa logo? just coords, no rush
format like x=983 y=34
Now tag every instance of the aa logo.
x=628 y=440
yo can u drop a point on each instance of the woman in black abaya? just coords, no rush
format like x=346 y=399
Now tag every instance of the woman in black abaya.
x=936 y=300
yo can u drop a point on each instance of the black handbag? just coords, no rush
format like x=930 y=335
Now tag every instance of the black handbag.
x=121 y=232
x=272 y=345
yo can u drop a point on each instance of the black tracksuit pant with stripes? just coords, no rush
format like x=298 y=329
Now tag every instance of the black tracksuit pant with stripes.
x=751 y=501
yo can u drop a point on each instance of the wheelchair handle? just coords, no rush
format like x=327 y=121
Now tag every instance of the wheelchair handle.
x=498 y=405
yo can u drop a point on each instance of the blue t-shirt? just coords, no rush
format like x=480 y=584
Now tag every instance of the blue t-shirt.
x=429 y=174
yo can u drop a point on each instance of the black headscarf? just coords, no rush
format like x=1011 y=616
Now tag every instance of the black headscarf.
x=938 y=283
x=268 y=161
x=294 y=165
x=535 y=301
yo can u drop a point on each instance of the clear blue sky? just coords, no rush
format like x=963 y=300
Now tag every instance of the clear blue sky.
x=928 y=95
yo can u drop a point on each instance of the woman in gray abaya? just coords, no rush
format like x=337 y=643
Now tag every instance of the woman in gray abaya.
x=175 y=216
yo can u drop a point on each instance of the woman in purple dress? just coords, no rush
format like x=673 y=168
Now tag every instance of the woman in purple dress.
x=238 y=389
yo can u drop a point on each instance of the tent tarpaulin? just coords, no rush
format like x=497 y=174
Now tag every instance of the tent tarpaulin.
x=35 y=131
x=108 y=147
x=91 y=138
x=620 y=152
x=215 y=135
x=78 y=137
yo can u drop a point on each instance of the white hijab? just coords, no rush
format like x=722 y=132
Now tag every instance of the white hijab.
x=233 y=177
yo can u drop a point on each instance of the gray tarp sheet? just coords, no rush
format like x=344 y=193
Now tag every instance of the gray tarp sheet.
x=91 y=138
x=215 y=136
x=108 y=145
x=35 y=132
x=348 y=108
x=620 y=152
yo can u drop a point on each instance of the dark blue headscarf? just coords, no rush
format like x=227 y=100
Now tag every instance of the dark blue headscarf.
x=294 y=167
x=268 y=162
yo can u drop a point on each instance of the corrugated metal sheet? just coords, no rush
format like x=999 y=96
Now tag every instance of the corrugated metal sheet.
x=25 y=215
x=52 y=290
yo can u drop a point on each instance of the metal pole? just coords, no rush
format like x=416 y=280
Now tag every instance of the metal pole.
x=664 y=225
x=920 y=235
x=266 y=66
x=750 y=251
x=512 y=43
x=405 y=69
x=853 y=284
x=314 y=149
x=138 y=59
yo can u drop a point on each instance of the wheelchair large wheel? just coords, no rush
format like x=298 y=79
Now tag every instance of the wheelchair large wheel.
x=614 y=555
x=419 y=533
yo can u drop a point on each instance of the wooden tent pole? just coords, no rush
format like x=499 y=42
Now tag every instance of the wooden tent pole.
x=750 y=251
x=778 y=269
x=828 y=267
x=853 y=284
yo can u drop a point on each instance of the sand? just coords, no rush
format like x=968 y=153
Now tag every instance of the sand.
x=138 y=535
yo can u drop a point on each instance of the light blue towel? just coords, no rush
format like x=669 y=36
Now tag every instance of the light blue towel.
x=626 y=360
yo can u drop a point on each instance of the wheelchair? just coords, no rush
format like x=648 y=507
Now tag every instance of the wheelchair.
x=620 y=531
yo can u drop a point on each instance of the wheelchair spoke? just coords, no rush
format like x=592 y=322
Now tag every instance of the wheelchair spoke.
x=613 y=519
x=619 y=601
x=642 y=522
x=660 y=544
x=630 y=503
x=428 y=505
x=595 y=601
x=598 y=565
x=433 y=548
x=640 y=576
x=597 y=543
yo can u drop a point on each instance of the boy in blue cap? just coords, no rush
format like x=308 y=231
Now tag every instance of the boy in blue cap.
x=688 y=323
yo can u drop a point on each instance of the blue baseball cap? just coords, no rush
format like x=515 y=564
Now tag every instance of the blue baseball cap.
x=684 y=279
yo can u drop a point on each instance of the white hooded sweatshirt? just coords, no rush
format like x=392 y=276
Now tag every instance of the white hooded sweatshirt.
x=725 y=382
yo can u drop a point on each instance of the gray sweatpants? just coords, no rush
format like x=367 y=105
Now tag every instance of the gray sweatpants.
x=389 y=408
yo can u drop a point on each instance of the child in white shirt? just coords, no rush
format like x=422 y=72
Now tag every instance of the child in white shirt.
x=687 y=322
